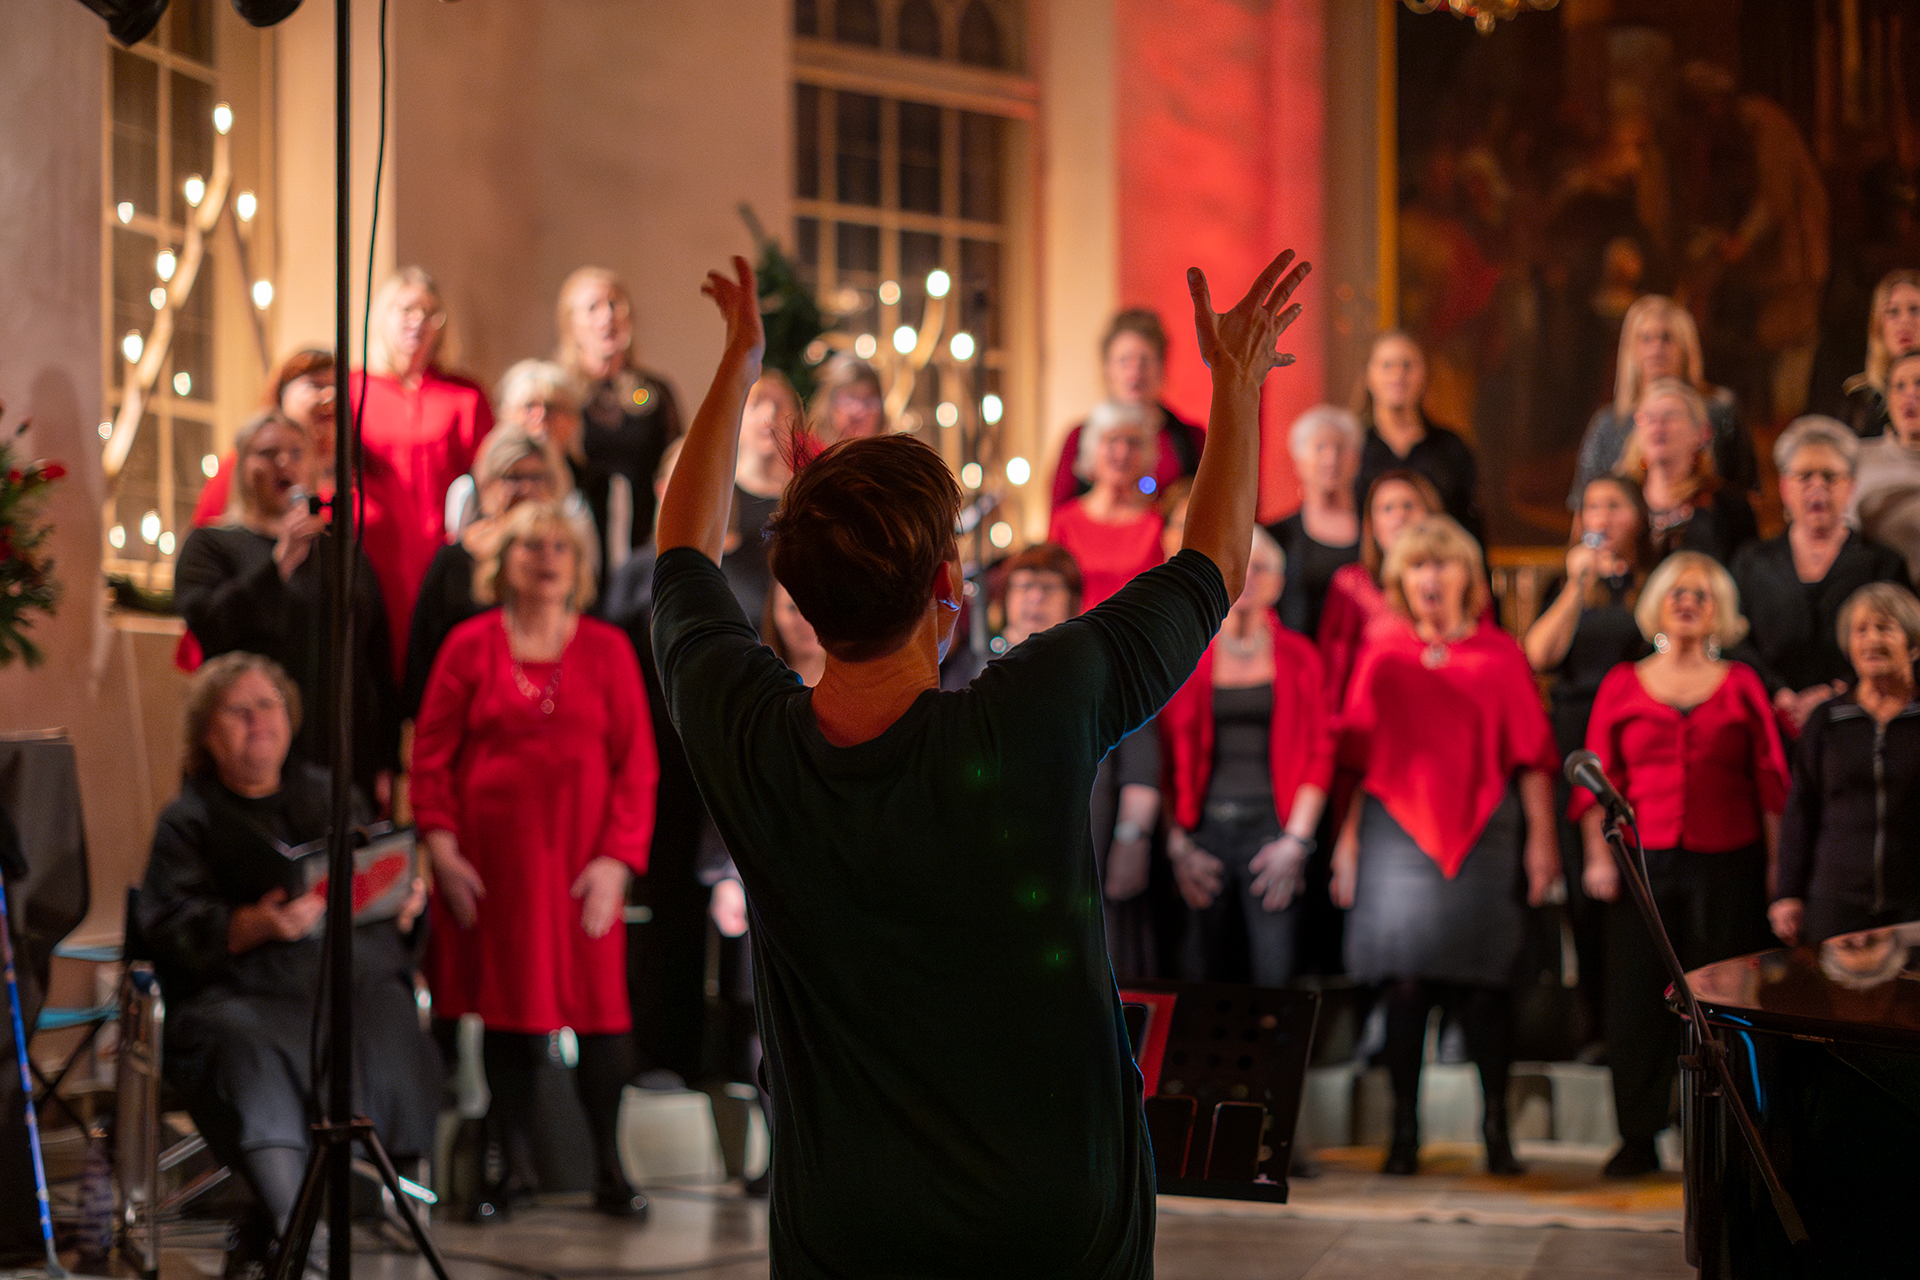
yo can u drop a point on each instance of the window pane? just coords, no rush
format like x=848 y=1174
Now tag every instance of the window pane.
x=191 y=130
x=192 y=441
x=979 y=288
x=919 y=157
x=919 y=254
x=857 y=250
x=136 y=131
x=139 y=490
x=806 y=141
x=133 y=281
x=192 y=29
x=979 y=167
x=806 y=247
x=979 y=36
x=857 y=22
x=857 y=167
x=919 y=29
x=193 y=338
x=806 y=18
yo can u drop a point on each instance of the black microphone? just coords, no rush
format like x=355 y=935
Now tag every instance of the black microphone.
x=1583 y=770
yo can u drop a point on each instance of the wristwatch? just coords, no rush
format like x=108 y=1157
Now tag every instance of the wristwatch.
x=1126 y=832
x=1307 y=843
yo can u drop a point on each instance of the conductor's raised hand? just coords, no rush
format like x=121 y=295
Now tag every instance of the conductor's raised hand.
x=739 y=303
x=1240 y=342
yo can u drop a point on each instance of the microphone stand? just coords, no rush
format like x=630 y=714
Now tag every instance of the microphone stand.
x=1706 y=1060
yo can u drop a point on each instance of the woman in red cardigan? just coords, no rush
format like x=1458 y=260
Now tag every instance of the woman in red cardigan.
x=420 y=430
x=1691 y=741
x=1355 y=601
x=533 y=789
x=1248 y=760
x=1450 y=837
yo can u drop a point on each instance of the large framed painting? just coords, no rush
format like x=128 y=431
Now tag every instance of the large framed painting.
x=1753 y=159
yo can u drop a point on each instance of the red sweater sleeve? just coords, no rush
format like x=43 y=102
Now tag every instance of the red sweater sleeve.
x=440 y=729
x=1306 y=722
x=1603 y=733
x=1064 y=481
x=631 y=758
x=1770 y=774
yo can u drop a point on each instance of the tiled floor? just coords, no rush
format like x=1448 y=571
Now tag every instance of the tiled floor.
x=719 y=1236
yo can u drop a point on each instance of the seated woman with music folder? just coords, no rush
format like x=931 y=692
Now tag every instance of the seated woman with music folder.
x=227 y=914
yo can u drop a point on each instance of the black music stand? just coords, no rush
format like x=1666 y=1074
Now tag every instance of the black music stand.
x=1224 y=1066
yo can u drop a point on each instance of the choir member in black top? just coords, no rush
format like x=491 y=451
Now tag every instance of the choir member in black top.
x=1586 y=632
x=1400 y=435
x=1670 y=453
x=1850 y=837
x=1325 y=532
x=261 y=581
x=1793 y=585
x=1893 y=327
x=631 y=414
x=514 y=466
x=233 y=932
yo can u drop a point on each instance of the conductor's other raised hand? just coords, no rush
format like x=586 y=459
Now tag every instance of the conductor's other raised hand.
x=739 y=303
x=1240 y=343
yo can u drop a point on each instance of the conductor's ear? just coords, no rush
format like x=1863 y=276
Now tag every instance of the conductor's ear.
x=948 y=585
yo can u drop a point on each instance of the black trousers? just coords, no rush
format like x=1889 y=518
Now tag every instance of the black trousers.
x=1235 y=938
x=1714 y=907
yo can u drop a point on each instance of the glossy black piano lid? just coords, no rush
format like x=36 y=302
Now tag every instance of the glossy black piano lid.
x=1857 y=988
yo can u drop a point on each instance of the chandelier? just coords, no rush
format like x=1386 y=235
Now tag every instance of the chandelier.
x=1485 y=13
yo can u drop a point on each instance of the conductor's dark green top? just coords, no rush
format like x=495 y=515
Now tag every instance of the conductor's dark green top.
x=952 y=1089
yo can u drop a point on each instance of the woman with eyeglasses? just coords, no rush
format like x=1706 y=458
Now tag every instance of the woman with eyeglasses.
x=1690 y=507
x=1795 y=584
x=1688 y=737
x=420 y=428
x=302 y=389
x=514 y=467
x=261 y=581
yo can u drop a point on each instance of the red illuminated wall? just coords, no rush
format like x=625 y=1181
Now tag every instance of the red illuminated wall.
x=1220 y=125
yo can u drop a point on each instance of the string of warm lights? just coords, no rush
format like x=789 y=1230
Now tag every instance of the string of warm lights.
x=178 y=272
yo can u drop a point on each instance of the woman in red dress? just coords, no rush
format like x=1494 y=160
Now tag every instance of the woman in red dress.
x=1450 y=837
x=1248 y=762
x=1113 y=533
x=1691 y=741
x=1354 y=598
x=420 y=429
x=533 y=787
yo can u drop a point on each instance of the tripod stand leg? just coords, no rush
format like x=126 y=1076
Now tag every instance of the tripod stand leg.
x=401 y=1201
x=290 y=1260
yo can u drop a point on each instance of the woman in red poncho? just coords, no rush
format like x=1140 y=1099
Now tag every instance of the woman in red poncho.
x=533 y=788
x=1354 y=600
x=1113 y=533
x=420 y=430
x=1691 y=741
x=1444 y=727
x=1248 y=759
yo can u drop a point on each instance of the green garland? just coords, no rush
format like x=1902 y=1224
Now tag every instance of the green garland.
x=27 y=584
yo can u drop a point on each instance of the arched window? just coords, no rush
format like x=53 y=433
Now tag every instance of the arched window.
x=979 y=36
x=919 y=27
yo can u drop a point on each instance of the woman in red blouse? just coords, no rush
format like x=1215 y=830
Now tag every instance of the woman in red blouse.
x=533 y=788
x=420 y=430
x=1113 y=533
x=1691 y=741
x=1354 y=598
x=1443 y=725
x=1248 y=761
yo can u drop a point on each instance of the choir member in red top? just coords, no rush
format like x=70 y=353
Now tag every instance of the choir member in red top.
x=533 y=787
x=420 y=429
x=1133 y=364
x=1444 y=727
x=1113 y=533
x=1355 y=601
x=1691 y=741
x=1248 y=761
